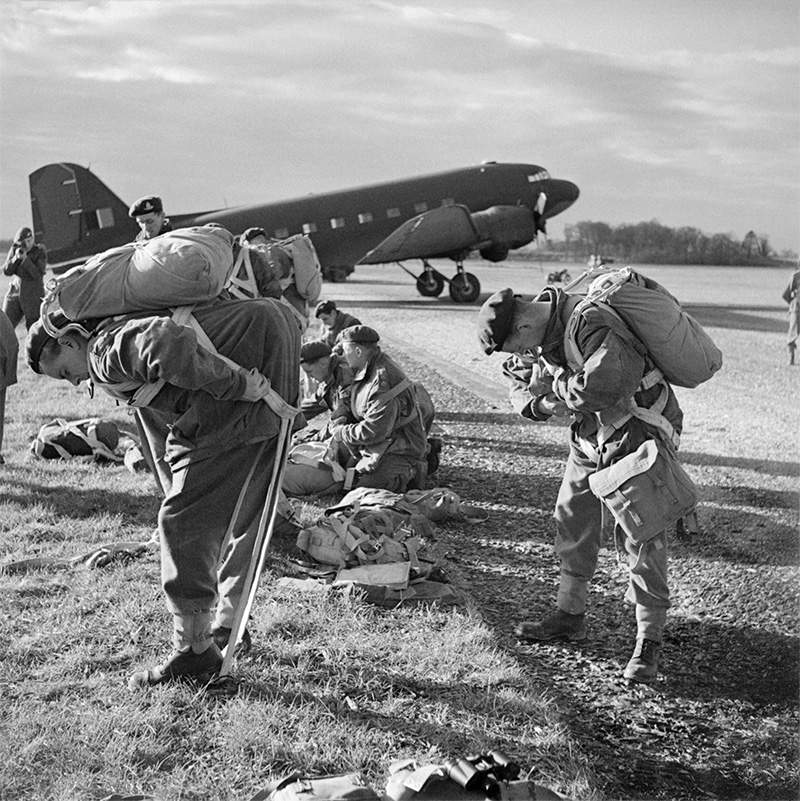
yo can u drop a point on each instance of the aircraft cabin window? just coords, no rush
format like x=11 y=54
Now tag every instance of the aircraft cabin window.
x=542 y=175
x=392 y=212
x=282 y=233
x=420 y=207
x=309 y=228
x=365 y=217
x=337 y=222
x=448 y=201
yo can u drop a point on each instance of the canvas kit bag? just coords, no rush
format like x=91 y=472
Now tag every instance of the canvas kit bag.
x=646 y=491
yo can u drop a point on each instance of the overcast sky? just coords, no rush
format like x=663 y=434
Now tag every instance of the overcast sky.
x=682 y=111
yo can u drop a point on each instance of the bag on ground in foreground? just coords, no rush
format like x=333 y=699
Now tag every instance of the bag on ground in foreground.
x=347 y=787
x=92 y=439
x=677 y=343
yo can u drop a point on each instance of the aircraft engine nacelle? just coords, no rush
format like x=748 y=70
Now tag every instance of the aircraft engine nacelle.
x=503 y=228
x=494 y=252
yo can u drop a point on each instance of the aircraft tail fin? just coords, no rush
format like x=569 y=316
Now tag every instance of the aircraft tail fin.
x=75 y=215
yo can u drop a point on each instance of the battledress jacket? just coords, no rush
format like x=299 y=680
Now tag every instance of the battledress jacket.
x=381 y=426
x=201 y=400
x=599 y=392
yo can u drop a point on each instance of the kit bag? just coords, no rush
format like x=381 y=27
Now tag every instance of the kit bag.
x=92 y=439
x=676 y=342
x=646 y=491
x=347 y=787
x=177 y=268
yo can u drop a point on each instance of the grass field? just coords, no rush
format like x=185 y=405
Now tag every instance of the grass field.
x=334 y=685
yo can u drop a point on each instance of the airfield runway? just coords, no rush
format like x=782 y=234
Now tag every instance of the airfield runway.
x=441 y=333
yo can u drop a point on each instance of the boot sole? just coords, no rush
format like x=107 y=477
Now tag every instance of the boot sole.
x=577 y=636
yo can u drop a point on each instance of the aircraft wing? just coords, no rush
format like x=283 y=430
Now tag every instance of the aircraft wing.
x=437 y=232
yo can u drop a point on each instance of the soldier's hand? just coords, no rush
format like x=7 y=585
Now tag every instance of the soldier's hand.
x=551 y=404
x=257 y=386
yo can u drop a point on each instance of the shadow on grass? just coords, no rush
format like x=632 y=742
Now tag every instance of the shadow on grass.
x=773 y=467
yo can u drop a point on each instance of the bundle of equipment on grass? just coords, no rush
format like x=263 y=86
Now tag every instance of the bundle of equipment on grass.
x=177 y=268
x=677 y=343
x=92 y=439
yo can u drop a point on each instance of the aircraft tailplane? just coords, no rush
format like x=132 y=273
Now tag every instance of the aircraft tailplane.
x=75 y=215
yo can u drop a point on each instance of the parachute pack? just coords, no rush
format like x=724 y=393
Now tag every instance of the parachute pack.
x=91 y=440
x=677 y=343
x=177 y=268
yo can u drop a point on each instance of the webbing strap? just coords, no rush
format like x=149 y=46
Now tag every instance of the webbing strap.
x=243 y=286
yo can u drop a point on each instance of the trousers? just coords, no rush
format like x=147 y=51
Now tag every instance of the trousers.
x=579 y=532
x=198 y=566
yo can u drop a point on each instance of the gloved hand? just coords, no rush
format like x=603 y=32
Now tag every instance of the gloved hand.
x=256 y=386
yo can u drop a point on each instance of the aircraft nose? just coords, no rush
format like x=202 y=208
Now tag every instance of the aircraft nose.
x=560 y=196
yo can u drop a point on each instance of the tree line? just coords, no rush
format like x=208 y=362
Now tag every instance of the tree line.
x=654 y=243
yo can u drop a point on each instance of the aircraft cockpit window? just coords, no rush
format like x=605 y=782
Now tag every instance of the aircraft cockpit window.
x=309 y=228
x=392 y=212
x=337 y=222
x=542 y=175
x=366 y=217
x=420 y=207
x=282 y=233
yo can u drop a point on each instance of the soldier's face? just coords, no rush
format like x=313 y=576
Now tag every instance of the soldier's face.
x=328 y=319
x=354 y=355
x=67 y=362
x=317 y=370
x=150 y=223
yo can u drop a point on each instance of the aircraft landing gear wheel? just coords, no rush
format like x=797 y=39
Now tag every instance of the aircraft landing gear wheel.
x=430 y=284
x=337 y=275
x=464 y=288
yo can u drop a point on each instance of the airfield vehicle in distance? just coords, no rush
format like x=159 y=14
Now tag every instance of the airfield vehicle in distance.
x=491 y=207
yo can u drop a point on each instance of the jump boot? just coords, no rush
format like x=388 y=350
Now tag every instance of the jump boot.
x=558 y=625
x=195 y=655
x=643 y=664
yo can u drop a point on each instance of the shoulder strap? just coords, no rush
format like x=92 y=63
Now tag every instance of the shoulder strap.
x=242 y=283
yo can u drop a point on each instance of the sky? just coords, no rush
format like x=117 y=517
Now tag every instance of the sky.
x=681 y=111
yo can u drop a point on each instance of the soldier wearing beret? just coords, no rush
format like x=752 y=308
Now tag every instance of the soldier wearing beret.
x=597 y=397
x=379 y=423
x=26 y=262
x=149 y=215
x=330 y=375
x=334 y=321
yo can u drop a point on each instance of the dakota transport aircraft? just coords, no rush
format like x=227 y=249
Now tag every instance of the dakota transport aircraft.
x=491 y=208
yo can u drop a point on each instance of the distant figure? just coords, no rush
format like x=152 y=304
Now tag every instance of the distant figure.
x=792 y=296
x=9 y=349
x=333 y=322
x=27 y=263
x=149 y=215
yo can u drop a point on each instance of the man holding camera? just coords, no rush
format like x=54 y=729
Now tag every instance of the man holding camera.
x=26 y=262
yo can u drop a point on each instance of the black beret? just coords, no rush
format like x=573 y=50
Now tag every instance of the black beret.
x=362 y=334
x=494 y=320
x=311 y=351
x=34 y=345
x=23 y=233
x=326 y=307
x=146 y=205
